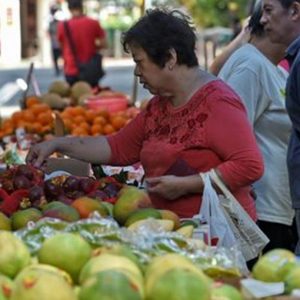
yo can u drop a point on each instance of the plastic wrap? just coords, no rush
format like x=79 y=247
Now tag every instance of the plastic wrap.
x=145 y=242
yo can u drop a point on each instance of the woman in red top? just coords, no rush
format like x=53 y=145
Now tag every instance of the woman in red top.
x=194 y=123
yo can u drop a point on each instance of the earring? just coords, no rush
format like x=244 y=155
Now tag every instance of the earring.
x=170 y=67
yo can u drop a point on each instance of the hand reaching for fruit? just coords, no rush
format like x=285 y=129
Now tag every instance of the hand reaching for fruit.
x=38 y=153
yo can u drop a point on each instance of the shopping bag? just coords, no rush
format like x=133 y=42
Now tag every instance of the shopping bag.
x=249 y=237
x=92 y=71
x=212 y=212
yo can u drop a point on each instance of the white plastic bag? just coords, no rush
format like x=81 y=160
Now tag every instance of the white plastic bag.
x=212 y=212
x=248 y=236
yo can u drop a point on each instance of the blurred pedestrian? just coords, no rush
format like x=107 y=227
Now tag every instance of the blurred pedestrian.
x=55 y=47
x=253 y=72
x=86 y=37
x=281 y=20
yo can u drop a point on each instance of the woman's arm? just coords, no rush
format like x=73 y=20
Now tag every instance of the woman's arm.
x=94 y=150
x=242 y=38
x=231 y=136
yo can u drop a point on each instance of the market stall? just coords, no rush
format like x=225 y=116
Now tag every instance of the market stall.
x=91 y=232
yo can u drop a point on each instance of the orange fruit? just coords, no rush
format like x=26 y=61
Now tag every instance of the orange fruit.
x=78 y=110
x=7 y=131
x=37 y=127
x=45 y=118
x=68 y=123
x=85 y=126
x=16 y=116
x=31 y=100
x=46 y=129
x=29 y=116
x=108 y=129
x=38 y=108
x=67 y=112
x=90 y=115
x=118 y=122
x=103 y=113
x=100 y=120
x=78 y=131
x=96 y=129
x=7 y=123
x=78 y=119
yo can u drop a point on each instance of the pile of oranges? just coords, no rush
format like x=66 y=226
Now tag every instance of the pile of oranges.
x=38 y=118
x=80 y=121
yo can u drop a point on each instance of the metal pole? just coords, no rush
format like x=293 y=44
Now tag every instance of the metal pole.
x=135 y=80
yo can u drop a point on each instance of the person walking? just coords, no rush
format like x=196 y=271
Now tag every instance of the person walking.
x=86 y=37
x=281 y=21
x=55 y=47
x=253 y=72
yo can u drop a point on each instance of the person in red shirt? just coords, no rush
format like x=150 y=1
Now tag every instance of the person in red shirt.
x=88 y=37
x=194 y=123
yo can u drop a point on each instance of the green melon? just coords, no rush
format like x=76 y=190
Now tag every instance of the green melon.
x=42 y=285
x=274 y=265
x=110 y=285
x=142 y=214
x=179 y=284
x=66 y=251
x=14 y=255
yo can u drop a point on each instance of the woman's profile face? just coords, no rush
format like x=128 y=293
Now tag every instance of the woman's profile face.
x=151 y=76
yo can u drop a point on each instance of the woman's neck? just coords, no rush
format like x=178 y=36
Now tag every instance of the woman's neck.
x=187 y=83
x=76 y=13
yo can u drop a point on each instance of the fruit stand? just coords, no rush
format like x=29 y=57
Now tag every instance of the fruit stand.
x=75 y=232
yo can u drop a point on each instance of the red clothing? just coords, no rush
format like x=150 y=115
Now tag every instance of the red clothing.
x=285 y=64
x=209 y=131
x=84 y=32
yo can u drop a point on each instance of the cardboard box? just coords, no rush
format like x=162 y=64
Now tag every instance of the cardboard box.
x=73 y=166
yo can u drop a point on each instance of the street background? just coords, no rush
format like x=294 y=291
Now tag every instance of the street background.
x=119 y=77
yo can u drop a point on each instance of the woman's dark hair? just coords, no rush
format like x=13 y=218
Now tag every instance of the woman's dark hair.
x=256 y=28
x=159 y=31
x=75 y=4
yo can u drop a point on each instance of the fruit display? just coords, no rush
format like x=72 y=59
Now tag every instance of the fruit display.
x=101 y=238
x=26 y=195
x=120 y=268
x=71 y=102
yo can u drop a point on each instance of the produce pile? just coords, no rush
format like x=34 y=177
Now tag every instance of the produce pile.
x=71 y=103
x=100 y=238
x=67 y=267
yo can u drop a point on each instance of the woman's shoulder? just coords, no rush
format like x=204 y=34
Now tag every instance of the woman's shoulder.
x=219 y=93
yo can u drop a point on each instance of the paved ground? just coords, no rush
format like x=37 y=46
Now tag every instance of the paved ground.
x=119 y=77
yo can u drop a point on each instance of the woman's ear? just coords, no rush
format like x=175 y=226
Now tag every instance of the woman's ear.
x=172 y=60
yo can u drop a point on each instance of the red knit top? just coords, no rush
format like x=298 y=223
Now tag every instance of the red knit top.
x=210 y=131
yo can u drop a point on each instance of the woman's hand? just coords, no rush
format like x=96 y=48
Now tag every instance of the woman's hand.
x=38 y=153
x=170 y=187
